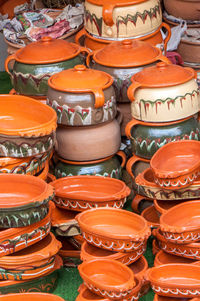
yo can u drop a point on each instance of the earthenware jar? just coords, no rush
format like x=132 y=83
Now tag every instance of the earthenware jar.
x=82 y=97
x=189 y=45
x=183 y=9
x=122 y=60
x=31 y=297
x=146 y=138
x=107 y=167
x=89 y=142
x=122 y=19
x=27 y=127
x=36 y=62
x=164 y=93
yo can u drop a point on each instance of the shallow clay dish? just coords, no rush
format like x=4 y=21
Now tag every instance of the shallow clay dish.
x=80 y=193
x=181 y=224
x=165 y=258
x=31 y=297
x=177 y=164
x=24 y=200
x=151 y=216
x=113 y=229
x=107 y=278
x=172 y=280
x=90 y=252
x=27 y=127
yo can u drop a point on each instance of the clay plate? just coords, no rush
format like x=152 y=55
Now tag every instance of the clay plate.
x=113 y=229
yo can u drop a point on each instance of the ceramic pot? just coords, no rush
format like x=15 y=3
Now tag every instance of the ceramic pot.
x=82 y=96
x=107 y=167
x=140 y=203
x=24 y=200
x=180 y=223
x=36 y=62
x=124 y=19
x=184 y=9
x=101 y=227
x=69 y=253
x=189 y=45
x=122 y=60
x=146 y=138
x=81 y=193
x=147 y=187
x=88 y=143
x=32 y=262
x=31 y=297
x=27 y=128
x=97 y=275
x=165 y=258
x=172 y=280
x=151 y=216
x=157 y=96
x=170 y=170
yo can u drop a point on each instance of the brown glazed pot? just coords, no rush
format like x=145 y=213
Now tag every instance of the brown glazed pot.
x=184 y=9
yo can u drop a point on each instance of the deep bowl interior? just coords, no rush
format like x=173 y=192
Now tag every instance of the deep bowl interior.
x=166 y=205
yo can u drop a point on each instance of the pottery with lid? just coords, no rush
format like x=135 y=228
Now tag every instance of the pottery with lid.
x=189 y=45
x=122 y=19
x=35 y=63
x=82 y=97
x=122 y=60
x=164 y=93
x=27 y=127
x=31 y=297
x=165 y=258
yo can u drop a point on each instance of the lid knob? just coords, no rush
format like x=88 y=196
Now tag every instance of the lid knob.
x=161 y=65
x=127 y=43
x=46 y=39
x=80 y=68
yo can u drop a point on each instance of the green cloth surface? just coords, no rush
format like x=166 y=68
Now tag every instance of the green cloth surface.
x=69 y=279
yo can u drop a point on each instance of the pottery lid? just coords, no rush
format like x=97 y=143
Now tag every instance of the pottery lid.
x=128 y=53
x=47 y=50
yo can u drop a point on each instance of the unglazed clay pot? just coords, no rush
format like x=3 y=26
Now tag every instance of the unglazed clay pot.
x=189 y=45
x=101 y=227
x=89 y=142
x=107 y=167
x=146 y=138
x=122 y=19
x=27 y=127
x=36 y=62
x=183 y=9
x=170 y=167
x=122 y=60
x=82 y=96
x=81 y=193
x=24 y=200
x=31 y=297
x=164 y=93
x=165 y=258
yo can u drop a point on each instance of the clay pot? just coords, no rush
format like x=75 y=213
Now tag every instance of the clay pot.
x=69 y=253
x=88 y=143
x=140 y=203
x=124 y=19
x=122 y=60
x=28 y=127
x=170 y=167
x=101 y=227
x=165 y=258
x=37 y=61
x=189 y=45
x=172 y=280
x=24 y=200
x=184 y=9
x=98 y=277
x=180 y=224
x=151 y=216
x=157 y=96
x=146 y=138
x=31 y=297
x=32 y=262
x=82 y=96
x=107 y=167
x=81 y=193
x=90 y=252
x=148 y=188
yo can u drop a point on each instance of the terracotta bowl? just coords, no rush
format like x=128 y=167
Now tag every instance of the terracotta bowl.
x=181 y=223
x=69 y=253
x=165 y=258
x=80 y=193
x=113 y=229
x=177 y=164
x=163 y=206
x=151 y=216
x=107 y=278
x=28 y=128
x=31 y=297
x=162 y=298
x=90 y=252
x=24 y=200
x=172 y=280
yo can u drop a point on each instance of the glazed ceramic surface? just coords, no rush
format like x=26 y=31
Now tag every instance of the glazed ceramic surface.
x=88 y=143
x=101 y=227
x=151 y=216
x=147 y=138
x=31 y=297
x=163 y=207
x=122 y=19
x=162 y=298
x=38 y=61
x=154 y=92
x=165 y=258
x=177 y=164
x=184 y=9
x=80 y=193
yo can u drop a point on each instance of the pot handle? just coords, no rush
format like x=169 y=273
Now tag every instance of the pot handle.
x=51 y=178
x=99 y=97
x=79 y=35
x=167 y=27
x=89 y=57
x=84 y=49
x=123 y=157
x=7 y=62
x=130 y=164
x=164 y=59
x=131 y=90
x=135 y=203
x=129 y=126
x=108 y=14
